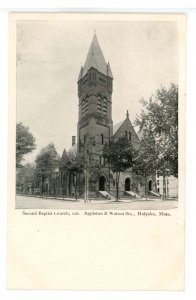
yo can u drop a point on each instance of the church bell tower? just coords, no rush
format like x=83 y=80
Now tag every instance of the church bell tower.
x=95 y=126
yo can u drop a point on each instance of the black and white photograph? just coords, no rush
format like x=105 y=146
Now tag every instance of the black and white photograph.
x=97 y=114
x=96 y=163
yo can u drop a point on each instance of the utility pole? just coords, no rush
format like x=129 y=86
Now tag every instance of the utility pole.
x=86 y=196
x=87 y=178
x=145 y=185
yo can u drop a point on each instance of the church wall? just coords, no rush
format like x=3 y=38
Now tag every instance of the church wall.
x=95 y=126
x=127 y=126
x=137 y=184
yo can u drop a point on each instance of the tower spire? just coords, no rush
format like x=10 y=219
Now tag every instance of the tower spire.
x=127 y=114
x=96 y=59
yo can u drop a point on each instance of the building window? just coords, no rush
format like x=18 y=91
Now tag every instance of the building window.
x=158 y=190
x=83 y=108
x=84 y=139
x=102 y=139
x=126 y=134
x=129 y=135
x=100 y=160
x=102 y=105
x=157 y=182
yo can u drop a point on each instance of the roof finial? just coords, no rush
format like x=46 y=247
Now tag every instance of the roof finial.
x=127 y=114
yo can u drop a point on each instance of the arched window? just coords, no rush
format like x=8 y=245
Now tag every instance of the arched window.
x=85 y=139
x=126 y=133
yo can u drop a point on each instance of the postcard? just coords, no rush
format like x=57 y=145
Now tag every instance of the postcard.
x=96 y=194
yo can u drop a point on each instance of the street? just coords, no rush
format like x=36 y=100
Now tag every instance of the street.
x=26 y=202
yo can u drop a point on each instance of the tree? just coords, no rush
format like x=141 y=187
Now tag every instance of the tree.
x=63 y=168
x=146 y=159
x=25 y=143
x=47 y=162
x=25 y=178
x=120 y=154
x=75 y=166
x=158 y=123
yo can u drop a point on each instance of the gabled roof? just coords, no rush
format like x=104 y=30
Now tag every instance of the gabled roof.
x=125 y=128
x=117 y=126
x=96 y=60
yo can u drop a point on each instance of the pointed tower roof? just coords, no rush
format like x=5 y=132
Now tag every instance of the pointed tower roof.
x=96 y=60
x=109 y=71
x=64 y=155
x=80 y=74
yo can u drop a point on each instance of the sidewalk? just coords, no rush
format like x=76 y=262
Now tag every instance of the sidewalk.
x=101 y=200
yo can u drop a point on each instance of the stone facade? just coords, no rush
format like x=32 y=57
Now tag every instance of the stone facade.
x=95 y=126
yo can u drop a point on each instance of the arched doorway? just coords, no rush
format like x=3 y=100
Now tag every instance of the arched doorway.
x=127 y=184
x=150 y=185
x=46 y=188
x=102 y=181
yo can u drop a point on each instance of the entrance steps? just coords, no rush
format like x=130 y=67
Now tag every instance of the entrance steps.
x=106 y=195
x=154 y=194
x=133 y=194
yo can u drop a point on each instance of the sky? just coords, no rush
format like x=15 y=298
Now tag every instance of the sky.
x=143 y=57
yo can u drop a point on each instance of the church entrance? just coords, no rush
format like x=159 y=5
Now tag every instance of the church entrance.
x=127 y=184
x=102 y=181
x=150 y=185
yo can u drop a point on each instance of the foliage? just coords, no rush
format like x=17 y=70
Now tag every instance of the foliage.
x=25 y=177
x=121 y=155
x=47 y=162
x=75 y=166
x=158 y=123
x=25 y=143
x=75 y=162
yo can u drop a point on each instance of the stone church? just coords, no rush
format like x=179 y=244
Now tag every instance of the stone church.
x=95 y=128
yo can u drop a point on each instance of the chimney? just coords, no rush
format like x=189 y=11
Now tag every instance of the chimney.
x=73 y=140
